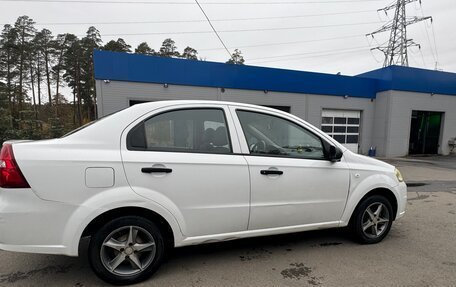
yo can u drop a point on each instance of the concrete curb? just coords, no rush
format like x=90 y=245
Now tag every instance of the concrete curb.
x=405 y=159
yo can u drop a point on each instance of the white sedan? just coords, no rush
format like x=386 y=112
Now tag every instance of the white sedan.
x=176 y=173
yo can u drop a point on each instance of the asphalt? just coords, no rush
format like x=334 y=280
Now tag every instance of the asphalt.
x=446 y=162
x=419 y=251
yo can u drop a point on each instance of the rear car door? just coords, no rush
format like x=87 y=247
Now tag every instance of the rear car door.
x=183 y=157
x=292 y=182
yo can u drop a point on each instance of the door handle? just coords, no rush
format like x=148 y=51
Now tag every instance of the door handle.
x=156 y=170
x=271 y=171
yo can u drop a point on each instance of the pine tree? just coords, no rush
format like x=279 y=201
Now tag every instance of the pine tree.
x=89 y=43
x=29 y=127
x=26 y=31
x=190 y=53
x=58 y=47
x=72 y=63
x=169 y=49
x=5 y=115
x=45 y=45
x=236 y=58
x=8 y=60
x=33 y=75
x=38 y=61
x=117 y=46
x=144 y=49
x=33 y=64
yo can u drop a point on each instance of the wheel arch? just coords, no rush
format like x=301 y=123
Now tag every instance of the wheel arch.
x=112 y=214
x=381 y=191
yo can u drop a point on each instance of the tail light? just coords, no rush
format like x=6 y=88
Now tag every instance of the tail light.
x=10 y=174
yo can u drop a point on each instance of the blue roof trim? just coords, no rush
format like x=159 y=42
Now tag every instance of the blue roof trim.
x=149 y=69
x=413 y=80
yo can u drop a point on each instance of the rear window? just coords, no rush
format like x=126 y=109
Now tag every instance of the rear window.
x=88 y=125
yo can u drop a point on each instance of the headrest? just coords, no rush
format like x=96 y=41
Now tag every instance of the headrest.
x=220 y=137
x=208 y=135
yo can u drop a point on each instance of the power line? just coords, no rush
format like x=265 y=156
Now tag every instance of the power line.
x=213 y=28
x=200 y=21
x=435 y=45
x=307 y=53
x=375 y=58
x=240 y=30
x=420 y=52
x=287 y=43
x=370 y=48
x=422 y=57
x=429 y=41
x=334 y=52
x=436 y=56
x=190 y=3
x=413 y=59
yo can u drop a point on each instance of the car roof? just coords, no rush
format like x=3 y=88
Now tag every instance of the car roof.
x=149 y=106
x=165 y=103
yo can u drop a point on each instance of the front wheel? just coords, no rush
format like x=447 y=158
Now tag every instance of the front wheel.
x=126 y=250
x=372 y=219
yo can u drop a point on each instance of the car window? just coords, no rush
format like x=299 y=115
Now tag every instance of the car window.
x=89 y=124
x=190 y=130
x=271 y=135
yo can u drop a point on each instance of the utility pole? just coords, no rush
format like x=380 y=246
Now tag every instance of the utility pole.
x=396 y=50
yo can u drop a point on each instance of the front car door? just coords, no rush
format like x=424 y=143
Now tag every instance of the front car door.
x=292 y=182
x=183 y=157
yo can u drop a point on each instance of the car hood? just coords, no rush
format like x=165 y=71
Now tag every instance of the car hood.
x=357 y=161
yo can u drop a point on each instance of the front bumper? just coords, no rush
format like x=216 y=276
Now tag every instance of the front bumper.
x=30 y=224
x=401 y=191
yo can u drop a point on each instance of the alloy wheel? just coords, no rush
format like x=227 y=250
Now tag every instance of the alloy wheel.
x=128 y=251
x=375 y=220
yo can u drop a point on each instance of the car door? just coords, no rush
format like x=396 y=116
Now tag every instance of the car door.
x=184 y=158
x=292 y=183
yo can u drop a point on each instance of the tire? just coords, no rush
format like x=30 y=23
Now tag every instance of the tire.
x=367 y=226
x=126 y=250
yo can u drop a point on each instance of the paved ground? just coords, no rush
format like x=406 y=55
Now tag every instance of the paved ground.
x=431 y=168
x=420 y=251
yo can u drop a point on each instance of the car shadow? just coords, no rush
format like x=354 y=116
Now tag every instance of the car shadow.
x=75 y=271
x=283 y=241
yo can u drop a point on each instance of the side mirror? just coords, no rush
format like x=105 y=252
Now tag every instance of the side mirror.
x=335 y=154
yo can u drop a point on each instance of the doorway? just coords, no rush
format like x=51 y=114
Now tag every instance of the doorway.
x=425 y=132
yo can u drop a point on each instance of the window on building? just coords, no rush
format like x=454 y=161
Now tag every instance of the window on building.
x=342 y=125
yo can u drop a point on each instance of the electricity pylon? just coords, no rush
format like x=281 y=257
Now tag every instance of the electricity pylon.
x=396 y=50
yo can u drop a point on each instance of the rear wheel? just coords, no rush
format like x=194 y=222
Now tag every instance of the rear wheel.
x=372 y=219
x=126 y=250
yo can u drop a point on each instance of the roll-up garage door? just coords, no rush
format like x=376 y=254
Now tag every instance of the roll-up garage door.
x=343 y=126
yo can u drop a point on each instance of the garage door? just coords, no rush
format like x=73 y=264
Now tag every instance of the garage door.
x=343 y=126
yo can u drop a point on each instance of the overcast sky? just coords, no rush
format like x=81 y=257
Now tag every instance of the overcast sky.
x=339 y=47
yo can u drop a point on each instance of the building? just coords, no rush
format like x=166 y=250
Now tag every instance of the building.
x=397 y=110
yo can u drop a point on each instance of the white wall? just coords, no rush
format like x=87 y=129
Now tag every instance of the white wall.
x=381 y=123
x=401 y=105
x=115 y=95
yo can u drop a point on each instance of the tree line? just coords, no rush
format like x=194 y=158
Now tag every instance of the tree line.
x=35 y=65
